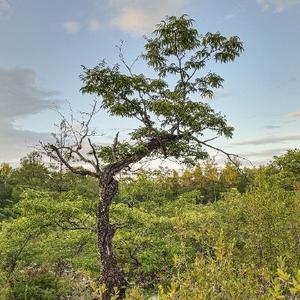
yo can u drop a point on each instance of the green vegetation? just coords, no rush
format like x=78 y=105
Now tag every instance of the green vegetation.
x=92 y=229
x=172 y=120
x=206 y=233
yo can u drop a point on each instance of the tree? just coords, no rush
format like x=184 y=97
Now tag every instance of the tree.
x=5 y=186
x=173 y=122
x=32 y=172
x=287 y=168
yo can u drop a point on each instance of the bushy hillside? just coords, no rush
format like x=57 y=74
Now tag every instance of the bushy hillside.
x=207 y=233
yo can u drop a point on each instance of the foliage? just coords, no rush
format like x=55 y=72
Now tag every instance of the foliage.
x=35 y=283
x=166 y=236
x=171 y=117
x=209 y=232
x=173 y=121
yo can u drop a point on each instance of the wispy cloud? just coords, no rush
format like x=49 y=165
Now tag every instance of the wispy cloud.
x=272 y=126
x=229 y=16
x=94 y=25
x=295 y=114
x=72 y=26
x=20 y=97
x=269 y=153
x=277 y=5
x=270 y=140
x=4 y=4
x=140 y=17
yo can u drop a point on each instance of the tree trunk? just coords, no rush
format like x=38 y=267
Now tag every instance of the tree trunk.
x=112 y=276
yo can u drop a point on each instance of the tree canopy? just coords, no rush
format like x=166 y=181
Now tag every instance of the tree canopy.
x=173 y=119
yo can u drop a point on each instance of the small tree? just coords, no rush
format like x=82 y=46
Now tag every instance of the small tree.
x=173 y=120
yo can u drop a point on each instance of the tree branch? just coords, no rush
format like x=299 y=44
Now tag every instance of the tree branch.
x=76 y=170
x=227 y=154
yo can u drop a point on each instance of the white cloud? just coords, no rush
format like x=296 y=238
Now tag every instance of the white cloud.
x=295 y=114
x=94 y=25
x=20 y=97
x=4 y=4
x=262 y=157
x=271 y=126
x=270 y=140
x=277 y=5
x=269 y=153
x=140 y=17
x=72 y=26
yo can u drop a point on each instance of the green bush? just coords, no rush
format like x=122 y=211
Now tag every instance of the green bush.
x=38 y=283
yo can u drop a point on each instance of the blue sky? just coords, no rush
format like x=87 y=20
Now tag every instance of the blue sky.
x=43 y=44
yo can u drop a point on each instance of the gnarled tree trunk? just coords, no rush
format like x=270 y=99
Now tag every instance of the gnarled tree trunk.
x=112 y=276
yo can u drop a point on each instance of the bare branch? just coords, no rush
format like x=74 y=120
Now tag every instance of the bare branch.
x=85 y=129
x=122 y=58
x=211 y=139
x=227 y=154
x=77 y=170
x=69 y=142
x=97 y=166
x=74 y=227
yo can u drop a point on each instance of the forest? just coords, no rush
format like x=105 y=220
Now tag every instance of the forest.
x=81 y=219
x=206 y=233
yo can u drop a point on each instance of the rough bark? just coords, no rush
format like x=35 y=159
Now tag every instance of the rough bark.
x=112 y=276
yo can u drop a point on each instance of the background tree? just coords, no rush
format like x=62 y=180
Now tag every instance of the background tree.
x=31 y=173
x=6 y=186
x=287 y=168
x=173 y=122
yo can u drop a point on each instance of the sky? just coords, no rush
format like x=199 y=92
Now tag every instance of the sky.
x=43 y=44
